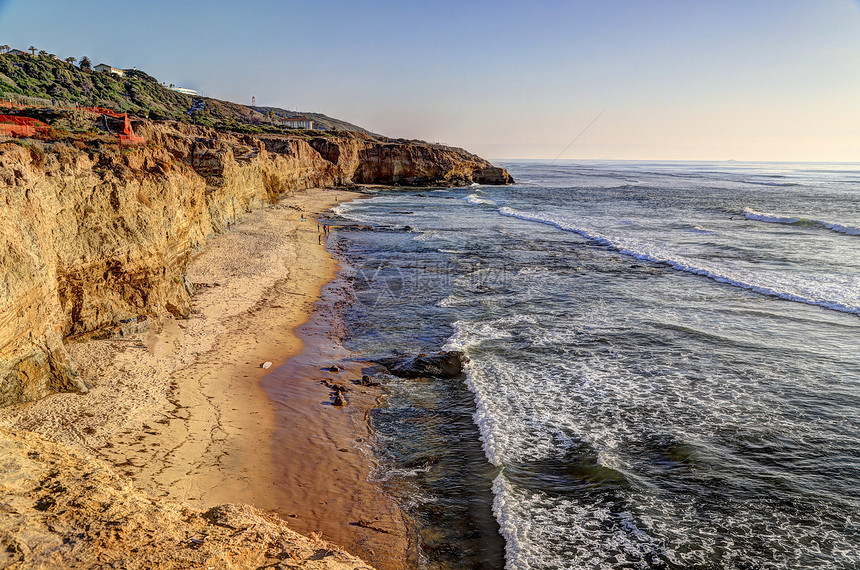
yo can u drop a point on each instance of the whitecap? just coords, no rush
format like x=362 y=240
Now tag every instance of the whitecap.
x=683 y=265
x=751 y=214
x=476 y=200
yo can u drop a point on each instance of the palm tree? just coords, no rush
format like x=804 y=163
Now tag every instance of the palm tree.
x=71 y=60
x=32 y=50
x=86 y=65
x=42 y=53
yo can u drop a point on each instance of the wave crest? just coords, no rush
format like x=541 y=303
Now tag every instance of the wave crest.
x=751 y=214
x=476 y=200
x=681 y=265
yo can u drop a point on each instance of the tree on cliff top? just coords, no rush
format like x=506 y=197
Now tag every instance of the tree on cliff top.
x=86 y=64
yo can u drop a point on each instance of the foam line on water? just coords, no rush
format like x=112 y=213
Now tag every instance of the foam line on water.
x=678 y=264
x=482 y=417
x=751 y=214
x=476 y=200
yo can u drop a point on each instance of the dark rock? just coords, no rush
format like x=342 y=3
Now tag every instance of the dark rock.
x=334 y=369
x=443 y=365
x=334 y=387
x=339 y=400
x=365 y=381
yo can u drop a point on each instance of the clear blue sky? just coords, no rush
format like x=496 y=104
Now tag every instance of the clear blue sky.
x=685 y=79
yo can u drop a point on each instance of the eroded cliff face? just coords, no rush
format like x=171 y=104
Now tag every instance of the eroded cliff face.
x=364 y=160
x=95 y=240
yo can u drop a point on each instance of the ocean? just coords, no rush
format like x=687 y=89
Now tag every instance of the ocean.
x=664 y=363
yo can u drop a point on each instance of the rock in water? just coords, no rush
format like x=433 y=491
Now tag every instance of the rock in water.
x=443 y=365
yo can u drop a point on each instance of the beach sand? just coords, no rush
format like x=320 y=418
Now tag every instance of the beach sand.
x=181 y=408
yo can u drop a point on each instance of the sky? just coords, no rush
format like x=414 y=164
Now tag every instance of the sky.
x=656 y=80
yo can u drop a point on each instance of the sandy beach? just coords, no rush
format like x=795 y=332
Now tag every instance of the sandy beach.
x=180 y=408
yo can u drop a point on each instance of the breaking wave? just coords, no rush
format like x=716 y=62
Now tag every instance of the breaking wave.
x=751 y=214
x=680 y=264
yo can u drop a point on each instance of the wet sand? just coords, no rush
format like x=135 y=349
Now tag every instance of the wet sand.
x=181 y=409
x=331 y=482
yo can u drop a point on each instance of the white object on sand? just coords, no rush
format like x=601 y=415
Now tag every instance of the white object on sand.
x=266 y=364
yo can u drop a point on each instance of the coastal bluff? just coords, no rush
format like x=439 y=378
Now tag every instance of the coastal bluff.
x=95 y=237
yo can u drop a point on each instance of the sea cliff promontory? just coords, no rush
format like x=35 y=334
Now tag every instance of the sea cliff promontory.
x=95 y=237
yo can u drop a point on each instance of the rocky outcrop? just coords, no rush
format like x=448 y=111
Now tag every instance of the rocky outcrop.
x=443 y=365
x=492 y=175
x=94 y=236
x=362 y=159
x=64 y=509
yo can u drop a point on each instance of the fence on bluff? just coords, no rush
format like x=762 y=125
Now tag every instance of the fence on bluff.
x=26 y=127
x=14 y=126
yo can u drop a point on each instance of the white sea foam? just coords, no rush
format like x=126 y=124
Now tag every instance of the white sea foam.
x=341 y=209
x=429 y=235
x=351 y=213
x=657 y=256
x=751 y=214
x=490 y=412
x=476 y=200
x=461 y=340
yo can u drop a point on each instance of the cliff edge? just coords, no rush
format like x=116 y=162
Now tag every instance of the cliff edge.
x=65 y=509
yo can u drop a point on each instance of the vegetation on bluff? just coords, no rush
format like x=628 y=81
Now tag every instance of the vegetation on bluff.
x=136 y=93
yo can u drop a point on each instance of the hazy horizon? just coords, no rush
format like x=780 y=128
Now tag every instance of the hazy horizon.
x=666 y=80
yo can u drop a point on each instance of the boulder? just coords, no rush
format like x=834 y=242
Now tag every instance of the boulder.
x=442 y=365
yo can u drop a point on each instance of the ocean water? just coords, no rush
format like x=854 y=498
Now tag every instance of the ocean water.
x=664 y=363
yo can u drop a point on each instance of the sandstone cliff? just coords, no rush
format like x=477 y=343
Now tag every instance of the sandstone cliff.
x=95 y=238
x=64 y=509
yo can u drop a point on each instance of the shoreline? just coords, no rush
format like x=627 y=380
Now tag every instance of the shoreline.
x=181 y=410
x=333 y=482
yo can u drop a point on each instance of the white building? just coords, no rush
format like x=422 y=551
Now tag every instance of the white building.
x=184 y=90
x=104 y=68
x=296 y=123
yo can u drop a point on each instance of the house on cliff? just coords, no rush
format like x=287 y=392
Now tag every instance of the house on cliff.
x=104 y=68
x=18 y=52
x=296 y=123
